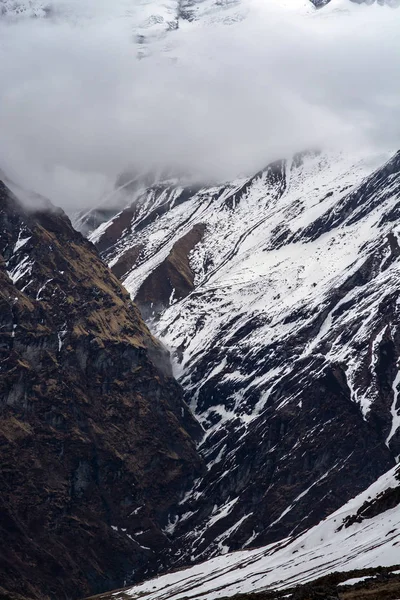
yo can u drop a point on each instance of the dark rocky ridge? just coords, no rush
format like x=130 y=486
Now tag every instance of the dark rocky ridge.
x=96 y=441
x=320 y=3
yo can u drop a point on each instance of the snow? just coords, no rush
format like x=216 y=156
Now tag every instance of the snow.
x=151 y=23
x=394 y=409
x=321 y=550
x=95 y=237
x=61 y=335
x=355 y=580
x=40 y=290
x=145 y=21
x=22 y=269
x=300 y=496
x=21 y=242
x=220 y=514
x=249 y=277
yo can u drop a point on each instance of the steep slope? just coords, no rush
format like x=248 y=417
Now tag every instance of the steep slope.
x=287 y=344
x=363 y=534
x=96 y=441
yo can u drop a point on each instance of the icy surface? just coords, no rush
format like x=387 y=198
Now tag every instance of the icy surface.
x=395 y=410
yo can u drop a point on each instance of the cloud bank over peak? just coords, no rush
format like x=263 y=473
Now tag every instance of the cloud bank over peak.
x=216 y=96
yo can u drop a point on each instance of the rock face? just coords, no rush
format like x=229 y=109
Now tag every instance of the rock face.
x=288 y=344
x=320 y=3
x=96 y=441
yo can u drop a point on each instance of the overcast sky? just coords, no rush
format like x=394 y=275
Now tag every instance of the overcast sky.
x=77 y=106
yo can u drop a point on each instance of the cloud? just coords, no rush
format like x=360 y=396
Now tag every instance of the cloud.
x=77 y=106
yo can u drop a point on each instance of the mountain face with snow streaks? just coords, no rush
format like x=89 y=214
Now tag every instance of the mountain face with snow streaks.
x=284 y=336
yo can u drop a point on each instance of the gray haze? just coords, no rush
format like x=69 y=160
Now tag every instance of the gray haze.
x=77 y=106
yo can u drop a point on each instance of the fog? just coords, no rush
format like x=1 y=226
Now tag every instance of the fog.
x=81 y=100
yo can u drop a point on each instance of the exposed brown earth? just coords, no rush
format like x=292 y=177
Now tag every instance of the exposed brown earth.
x=126 y=261
x=172 y=276
x=96 y=441
x=118 y=225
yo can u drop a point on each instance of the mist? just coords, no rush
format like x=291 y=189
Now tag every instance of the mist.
x=81 y=100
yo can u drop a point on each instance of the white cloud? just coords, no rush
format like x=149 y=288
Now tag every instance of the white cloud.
x=77 y=106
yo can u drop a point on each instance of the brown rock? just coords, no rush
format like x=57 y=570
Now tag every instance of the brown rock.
x=172 y=276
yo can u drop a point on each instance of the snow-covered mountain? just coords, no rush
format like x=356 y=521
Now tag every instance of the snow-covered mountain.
x=278 y=297
x=277 y=294
x=362 y=534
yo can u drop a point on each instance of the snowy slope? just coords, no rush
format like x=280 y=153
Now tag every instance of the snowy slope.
x=287 y=344
x=329 y=546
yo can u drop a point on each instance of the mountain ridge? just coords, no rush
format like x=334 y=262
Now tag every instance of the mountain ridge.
x=94 y=433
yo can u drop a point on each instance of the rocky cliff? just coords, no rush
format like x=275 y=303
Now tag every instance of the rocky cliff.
x=96 y=441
